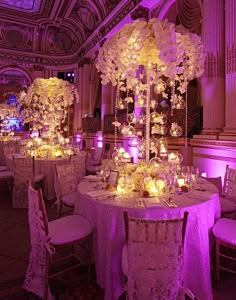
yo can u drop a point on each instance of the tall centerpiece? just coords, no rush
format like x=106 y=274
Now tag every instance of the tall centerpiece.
x=150 y=60
x=44 y=105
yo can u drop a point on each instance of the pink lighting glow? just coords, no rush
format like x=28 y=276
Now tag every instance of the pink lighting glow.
x=99 y=139
x=34 y=134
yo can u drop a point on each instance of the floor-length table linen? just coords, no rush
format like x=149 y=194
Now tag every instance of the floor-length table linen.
x=46 y=167
x=109 y=236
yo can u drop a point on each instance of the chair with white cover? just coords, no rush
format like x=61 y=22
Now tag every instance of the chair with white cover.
x=93 y=160
x=47 y=237
x=23 y=172
x=79 y=164
x=228 y=195
x=66 y=187
x=155 y=258
x=225 y=235
x=6 y=149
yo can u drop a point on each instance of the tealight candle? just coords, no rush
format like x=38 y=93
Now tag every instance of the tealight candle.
x=160 y=185
x=180 y=181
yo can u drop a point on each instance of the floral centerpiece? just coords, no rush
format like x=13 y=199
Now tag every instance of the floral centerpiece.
x=149 y=179
x=39 y=147
x=44 y=105
x=147 y=54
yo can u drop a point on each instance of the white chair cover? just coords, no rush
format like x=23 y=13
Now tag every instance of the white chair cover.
x=94 y=158
x=155 y=259
x=228 y=199
x=229 y=186
x=79 y=165
x=36 y=280
x=109 y=163
x=66 y=181
x=23 y=173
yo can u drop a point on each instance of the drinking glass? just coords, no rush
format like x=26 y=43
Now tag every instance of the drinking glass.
x=106 y=173
x=122 y=183
x=98 y=170
x=170 y=182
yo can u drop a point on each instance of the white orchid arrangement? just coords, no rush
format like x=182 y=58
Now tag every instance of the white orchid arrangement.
x=142 y=176
x=45 y=103
x=151 y=53
x=160 y=46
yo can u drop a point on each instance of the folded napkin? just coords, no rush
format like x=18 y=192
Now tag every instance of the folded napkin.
x=93 y=177
x=99 y=193
x=151 y=202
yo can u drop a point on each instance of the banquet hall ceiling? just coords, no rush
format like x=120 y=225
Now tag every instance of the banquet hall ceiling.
x=56 y=32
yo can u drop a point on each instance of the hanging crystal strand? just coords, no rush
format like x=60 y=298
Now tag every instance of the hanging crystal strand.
x=116 y=109
x=127 y=106
x=68 y=122
x=172 y=95
x=148 y=117
x=186 y=103
x=186 y=119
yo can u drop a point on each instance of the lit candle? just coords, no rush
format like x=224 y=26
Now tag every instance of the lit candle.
x=180 y=181
x=160 y=185
x=172 y=157
x=126 y=157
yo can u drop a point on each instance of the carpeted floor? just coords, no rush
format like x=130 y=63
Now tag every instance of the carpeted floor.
x=71 y=286
x=14 y=254
x=74 y=285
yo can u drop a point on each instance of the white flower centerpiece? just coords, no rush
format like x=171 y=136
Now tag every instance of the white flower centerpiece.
x=45 y=106
x=149 y=179
x=147 y=54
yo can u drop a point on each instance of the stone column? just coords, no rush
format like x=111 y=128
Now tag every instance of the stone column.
x=108 y=100
x=230 y=68
x=77 y=116
x=82 y=107
x=213 y=82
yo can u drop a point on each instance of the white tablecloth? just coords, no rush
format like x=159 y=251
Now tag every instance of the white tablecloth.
x=107 y=216
x=47 y=168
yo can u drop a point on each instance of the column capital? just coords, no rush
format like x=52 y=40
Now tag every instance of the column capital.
x=84 y=61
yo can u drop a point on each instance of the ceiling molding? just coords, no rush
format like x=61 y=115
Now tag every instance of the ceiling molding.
x=61 y=32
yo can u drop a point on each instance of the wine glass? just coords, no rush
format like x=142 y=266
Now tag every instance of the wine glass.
x=106 y=173
x=122 y=183
x=195 y=171
x=98 y=170
x=170 y=182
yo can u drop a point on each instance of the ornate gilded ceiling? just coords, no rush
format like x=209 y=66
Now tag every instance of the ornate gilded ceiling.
x=56 y=31
x=24 y=5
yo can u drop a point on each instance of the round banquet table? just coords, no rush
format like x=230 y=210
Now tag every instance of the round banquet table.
x=105 y=211
x=46 y=167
